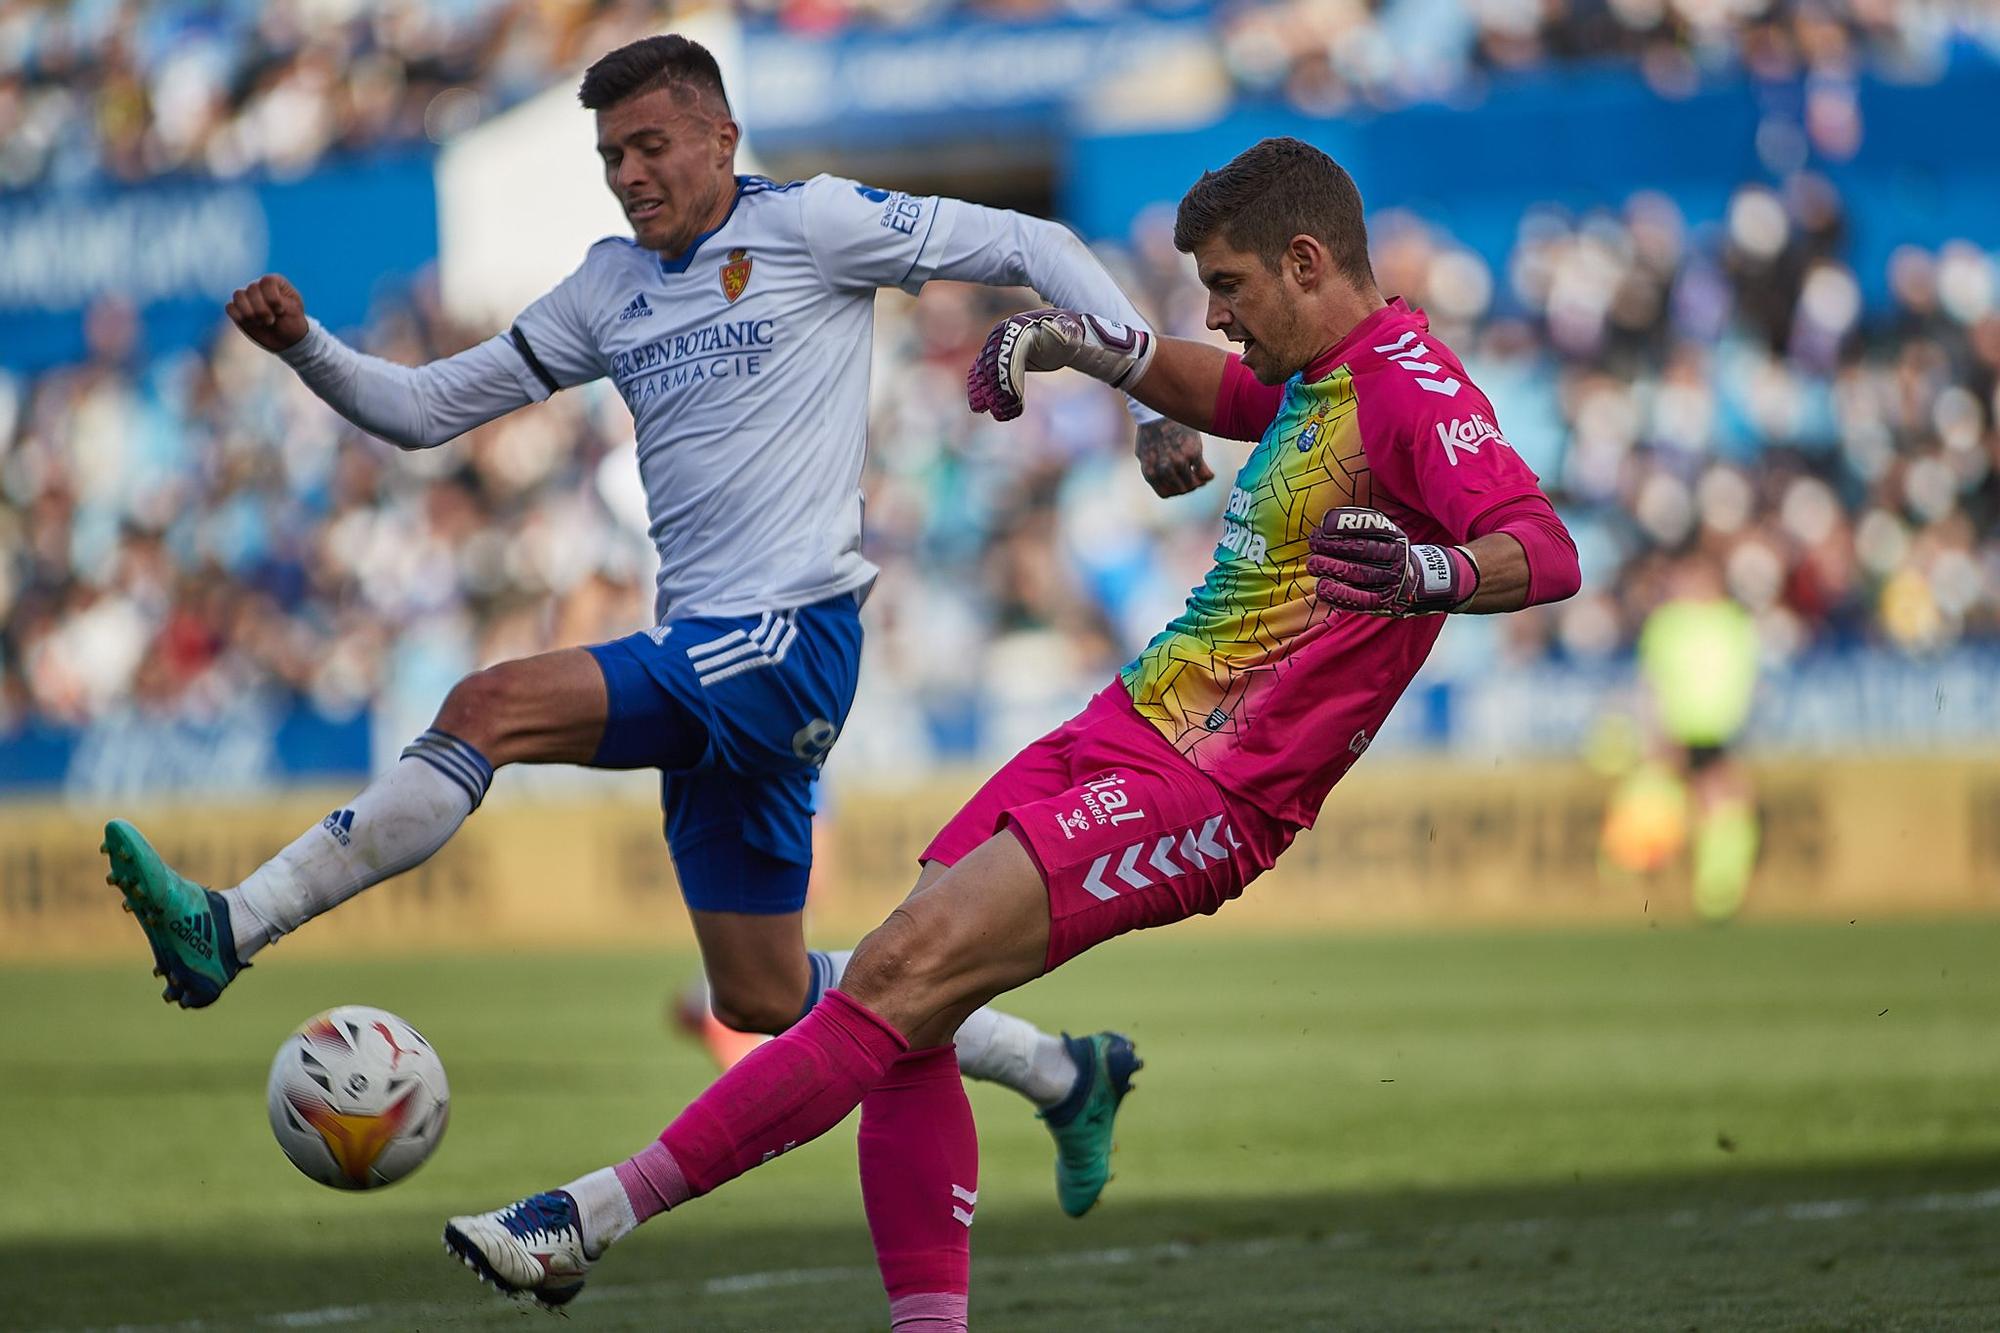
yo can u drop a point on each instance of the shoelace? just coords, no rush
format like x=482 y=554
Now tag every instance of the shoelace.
x=540 y=1218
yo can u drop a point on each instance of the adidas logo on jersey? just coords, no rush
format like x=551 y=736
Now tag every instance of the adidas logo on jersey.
x=638 y=309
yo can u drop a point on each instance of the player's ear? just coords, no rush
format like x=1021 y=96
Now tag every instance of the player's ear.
x=1305 y=262
x=727 y=135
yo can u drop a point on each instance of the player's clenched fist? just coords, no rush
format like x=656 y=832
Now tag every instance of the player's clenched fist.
x=270 y=312
x=1364 y=562
x=1170 y=458
x=1049 y=340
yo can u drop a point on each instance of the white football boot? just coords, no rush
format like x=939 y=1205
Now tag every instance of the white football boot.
x=531 y=1249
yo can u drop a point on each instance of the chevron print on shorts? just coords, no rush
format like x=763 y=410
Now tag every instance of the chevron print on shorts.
x=1196 y=845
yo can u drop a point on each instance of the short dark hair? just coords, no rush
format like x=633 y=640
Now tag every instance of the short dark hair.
x=1270 y=192
x=649 y=64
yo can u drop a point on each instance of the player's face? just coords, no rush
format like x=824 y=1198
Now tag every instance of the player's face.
x=1253 y=306
x=672 y=164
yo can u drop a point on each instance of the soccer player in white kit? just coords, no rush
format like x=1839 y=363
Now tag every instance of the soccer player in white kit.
x=736 y=323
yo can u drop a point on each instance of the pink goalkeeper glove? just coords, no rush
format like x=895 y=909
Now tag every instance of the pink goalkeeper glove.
x=1050 y=339
x=1364 y=562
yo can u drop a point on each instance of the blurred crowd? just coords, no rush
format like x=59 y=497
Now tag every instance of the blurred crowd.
x=137 y=88
x=185 y=533
x=1723 y=395
x=1324 y=56
x=181 y=533
x=178 y=534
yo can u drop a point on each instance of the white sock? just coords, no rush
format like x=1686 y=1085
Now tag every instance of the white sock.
x=398 y=820
x=996 y=1047
x=1001 y=1048
x=606 y=1209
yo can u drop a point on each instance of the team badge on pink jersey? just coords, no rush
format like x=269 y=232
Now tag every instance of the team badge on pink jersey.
x=736 y=274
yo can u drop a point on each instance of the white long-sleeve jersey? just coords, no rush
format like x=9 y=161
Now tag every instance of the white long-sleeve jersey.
x=745 y=363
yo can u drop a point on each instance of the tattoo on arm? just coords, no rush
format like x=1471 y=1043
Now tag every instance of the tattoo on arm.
x=1170 y=457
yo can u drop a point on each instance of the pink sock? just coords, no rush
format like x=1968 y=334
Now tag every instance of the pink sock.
x=920 y=1180
x=653 y=1182
x=788 y=1091
x=940 y=1313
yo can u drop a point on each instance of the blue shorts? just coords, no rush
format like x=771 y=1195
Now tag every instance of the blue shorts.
x=738 y=713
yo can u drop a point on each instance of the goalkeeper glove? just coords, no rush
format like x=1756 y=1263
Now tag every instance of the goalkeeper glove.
x=1048 y=340
x=1365 y=563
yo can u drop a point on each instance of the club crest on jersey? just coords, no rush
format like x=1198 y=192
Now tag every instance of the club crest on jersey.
x=1309 y=437
x=736 y=274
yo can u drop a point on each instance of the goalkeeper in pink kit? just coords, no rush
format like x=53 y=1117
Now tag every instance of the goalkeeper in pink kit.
x=1380 y=494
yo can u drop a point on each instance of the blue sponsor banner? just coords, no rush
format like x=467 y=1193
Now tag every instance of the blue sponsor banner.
x=251 y=749
x=176 y=249
x=956 y=81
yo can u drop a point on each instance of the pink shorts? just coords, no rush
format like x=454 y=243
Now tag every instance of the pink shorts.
x=1126 y=832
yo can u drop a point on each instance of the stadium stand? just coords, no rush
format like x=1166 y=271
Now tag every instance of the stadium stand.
x=180 y=531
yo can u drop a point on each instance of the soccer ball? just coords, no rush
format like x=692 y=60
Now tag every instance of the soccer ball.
x=357 y=1098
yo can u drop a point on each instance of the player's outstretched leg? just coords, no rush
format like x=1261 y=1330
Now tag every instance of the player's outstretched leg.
x=546 y=709
x=938 y=957
x=395 y=823
x=187 y=926
x=201 y=939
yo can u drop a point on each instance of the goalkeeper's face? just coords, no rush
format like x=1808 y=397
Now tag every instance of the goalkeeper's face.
x=670 y=158
x=1258 y=306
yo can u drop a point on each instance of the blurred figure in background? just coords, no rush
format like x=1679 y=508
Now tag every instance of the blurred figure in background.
x=1698 y=662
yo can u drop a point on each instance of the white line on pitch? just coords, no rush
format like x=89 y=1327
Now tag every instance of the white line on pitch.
x=1817 y=1210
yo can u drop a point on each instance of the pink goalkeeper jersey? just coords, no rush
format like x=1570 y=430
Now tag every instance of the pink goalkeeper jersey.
x=1268 y=690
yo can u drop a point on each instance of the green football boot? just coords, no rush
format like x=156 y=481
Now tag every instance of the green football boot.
x=188 y=926
x=1082 y=1121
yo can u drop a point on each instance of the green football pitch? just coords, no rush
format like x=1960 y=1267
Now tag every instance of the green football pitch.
x=1764 y=1127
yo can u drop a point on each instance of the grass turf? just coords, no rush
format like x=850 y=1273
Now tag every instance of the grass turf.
x=1791 y=1127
